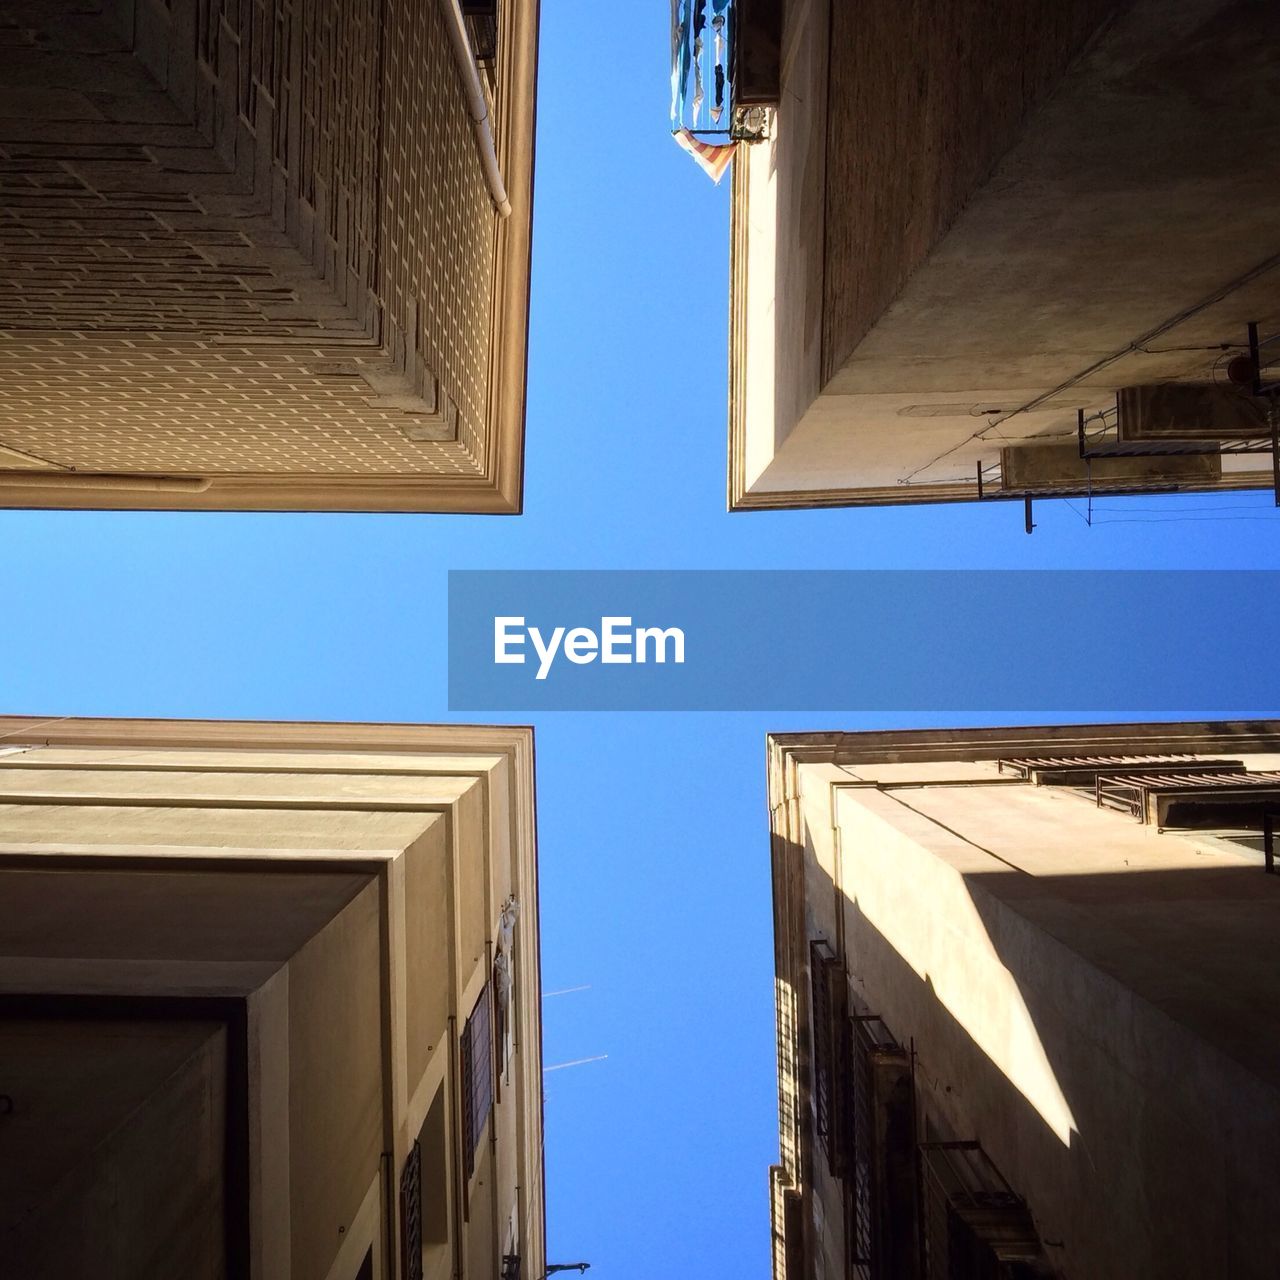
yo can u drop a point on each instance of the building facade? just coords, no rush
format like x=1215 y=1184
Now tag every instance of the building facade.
x=269 y=1002
x=1028 y=1022
x=265 y=254
x=986 y=254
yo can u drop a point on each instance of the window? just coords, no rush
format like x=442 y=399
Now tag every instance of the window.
x=482 y=27
x=434 y=1187
x=477 y=1078
x=410 y=1214
x=882 y=1217
x=830 y=1001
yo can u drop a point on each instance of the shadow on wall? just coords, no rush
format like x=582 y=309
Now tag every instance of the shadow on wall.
x=1146 y=997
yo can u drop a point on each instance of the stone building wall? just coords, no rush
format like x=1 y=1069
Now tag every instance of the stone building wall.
x=240 y=236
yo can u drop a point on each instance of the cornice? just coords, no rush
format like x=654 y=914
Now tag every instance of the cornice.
x=509 y=332
x=313 y=735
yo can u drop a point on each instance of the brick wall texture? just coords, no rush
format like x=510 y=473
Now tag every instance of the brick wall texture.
x=240 y=236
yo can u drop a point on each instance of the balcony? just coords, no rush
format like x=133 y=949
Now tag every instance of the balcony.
x=724 y=69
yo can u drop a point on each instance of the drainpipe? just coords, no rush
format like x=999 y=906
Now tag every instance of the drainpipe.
x=463 y=56
x=98 y=481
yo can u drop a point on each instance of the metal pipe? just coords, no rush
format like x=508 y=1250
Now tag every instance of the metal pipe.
x=476 y=104
x=100 y=480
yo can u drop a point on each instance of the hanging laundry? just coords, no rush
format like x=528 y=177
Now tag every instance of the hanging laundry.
x=677 y=39
x=699 y=28
x=717 y=106
x=682 y=45
x=723 y=25
x=698 y=96
x=712 y=158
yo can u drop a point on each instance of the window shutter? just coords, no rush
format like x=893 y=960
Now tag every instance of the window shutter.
x=477 y=1078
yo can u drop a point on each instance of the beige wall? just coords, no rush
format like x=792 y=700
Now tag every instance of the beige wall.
x=1089 y=998
x=777 y=252
x=335 y=1079
x=323 y=876
x=429 y=961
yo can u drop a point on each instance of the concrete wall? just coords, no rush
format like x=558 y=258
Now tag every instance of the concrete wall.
x=335 y=1080
x=429 y=973
x=1022 y=212
x=776 y=364
x=115 y=1151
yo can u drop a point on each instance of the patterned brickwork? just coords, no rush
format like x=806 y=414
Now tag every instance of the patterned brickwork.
x=204 y=407
x=340 y=125
x=439 y=226
x=281 y=265
x=77 y=258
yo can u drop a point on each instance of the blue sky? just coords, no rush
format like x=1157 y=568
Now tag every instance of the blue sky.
x=653 y=830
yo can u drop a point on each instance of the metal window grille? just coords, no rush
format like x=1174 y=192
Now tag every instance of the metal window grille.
x=829 y=997
x=411 y=1214
x=477 y=1078
x=1103 y=435
x=881 y=1210
x=862 y=1191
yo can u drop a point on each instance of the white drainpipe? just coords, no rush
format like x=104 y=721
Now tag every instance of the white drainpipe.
x=465 y=58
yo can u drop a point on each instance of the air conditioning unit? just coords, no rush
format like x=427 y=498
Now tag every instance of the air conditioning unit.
x=1188 y=411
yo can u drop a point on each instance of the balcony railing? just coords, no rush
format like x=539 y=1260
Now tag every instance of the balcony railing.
x=1181 y=798
x=975 y=1224
x=1100 y=435
x=1085 y=771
